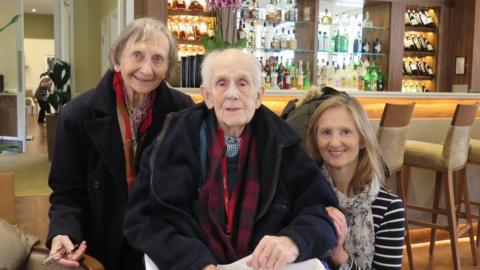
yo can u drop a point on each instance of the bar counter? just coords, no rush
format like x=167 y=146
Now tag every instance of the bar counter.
x=431 y=120
x=427 y=105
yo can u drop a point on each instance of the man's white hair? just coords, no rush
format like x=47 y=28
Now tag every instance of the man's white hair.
x=209 y=63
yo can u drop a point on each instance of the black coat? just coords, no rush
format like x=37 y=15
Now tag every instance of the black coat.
x=87 y=176
x=162 y=215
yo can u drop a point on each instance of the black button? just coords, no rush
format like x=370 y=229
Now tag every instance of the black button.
x=96 y=184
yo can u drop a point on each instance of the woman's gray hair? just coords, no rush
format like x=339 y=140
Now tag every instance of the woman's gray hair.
x=210 y=58
x=142 y=29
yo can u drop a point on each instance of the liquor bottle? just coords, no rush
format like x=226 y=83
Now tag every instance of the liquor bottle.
x=307 y=83
x=326 y=19
x=421 y=66
x=413 y=68
x=365 y=46
x=253 y=12
x=377 y=46
x=326 y=42
x=241 y=31
x=286 y=77
x=373 y=78
x=300 y=75
x=407 y=17
x=251 y=36
x=281 y=73
x=413 y=20
x=274 y=76
x=357 y=43
x=418 y=47
x=406 y=43
x=336 y=42
x=406 y=67
x=429 y=70
x=266 y=71
x=345 y=41
x=430 y=22
x=421 y=40
x=320 y=44
x=292 y=42
x=283 y=40
x=367 y=22
x=380 y=82
x=180 y=4
x=367 y=80
x=211 y=28
x=265 y=43
x=429 y=45
x=423 y=18
x=418 y=19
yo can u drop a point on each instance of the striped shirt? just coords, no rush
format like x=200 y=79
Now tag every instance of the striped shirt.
x=389 y=226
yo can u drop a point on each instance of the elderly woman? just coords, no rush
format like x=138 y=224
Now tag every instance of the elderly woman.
x=41 y=94
x=228 y=178
x=100 y=137
x=370 y=223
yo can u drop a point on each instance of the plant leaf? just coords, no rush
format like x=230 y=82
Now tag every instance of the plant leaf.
x=241 y=43
x=12 y=21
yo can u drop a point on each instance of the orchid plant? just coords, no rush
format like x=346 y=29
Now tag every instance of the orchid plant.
x=217 y=41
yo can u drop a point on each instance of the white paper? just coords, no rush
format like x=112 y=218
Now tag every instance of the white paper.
x=312 y=264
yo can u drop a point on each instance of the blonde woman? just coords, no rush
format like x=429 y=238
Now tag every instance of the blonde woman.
x=370 y=220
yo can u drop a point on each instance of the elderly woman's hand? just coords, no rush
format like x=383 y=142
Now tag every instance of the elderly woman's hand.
x=273 y=252
x=65 y=252
x=339 y=255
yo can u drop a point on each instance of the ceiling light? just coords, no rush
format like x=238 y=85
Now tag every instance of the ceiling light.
x=34 y=10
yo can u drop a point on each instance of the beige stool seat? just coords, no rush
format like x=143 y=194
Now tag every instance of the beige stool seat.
x=474 y=154
x=446 y=159
x=391 y=135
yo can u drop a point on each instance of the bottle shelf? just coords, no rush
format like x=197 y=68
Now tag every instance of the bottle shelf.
x=419 y=53
x=179 y=12
x=411 y=77
x=409 y=28
x=353 y=53
x=278 y=22
x=189 y=42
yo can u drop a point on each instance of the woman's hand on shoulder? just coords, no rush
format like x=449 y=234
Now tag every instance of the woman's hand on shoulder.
x=273 y=252
x=339 y=255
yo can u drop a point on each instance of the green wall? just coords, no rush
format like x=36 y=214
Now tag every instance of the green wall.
x=87 y=41
x=38 y=26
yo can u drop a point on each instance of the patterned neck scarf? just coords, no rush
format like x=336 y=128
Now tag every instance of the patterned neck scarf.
x=133 y=126
x=229 y=248
x=360 y=243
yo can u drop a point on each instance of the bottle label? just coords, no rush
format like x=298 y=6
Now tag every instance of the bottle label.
x=378 y=48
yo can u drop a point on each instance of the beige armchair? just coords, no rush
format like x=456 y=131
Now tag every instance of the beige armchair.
x=19 y=250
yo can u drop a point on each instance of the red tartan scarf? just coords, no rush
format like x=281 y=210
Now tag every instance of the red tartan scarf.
x=130 y=141
x=246 y=190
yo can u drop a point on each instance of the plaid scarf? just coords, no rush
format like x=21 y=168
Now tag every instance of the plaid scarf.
x=213 y=217
x=131 y=136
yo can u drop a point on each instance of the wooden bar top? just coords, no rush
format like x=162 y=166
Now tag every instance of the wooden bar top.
x=427 y=105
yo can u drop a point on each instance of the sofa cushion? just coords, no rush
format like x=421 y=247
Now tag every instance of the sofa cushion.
x=15 y=246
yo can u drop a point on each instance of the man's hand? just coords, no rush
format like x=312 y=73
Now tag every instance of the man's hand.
x=210 y=267
x=339 y=255
x=65 y=253
x=273 y=252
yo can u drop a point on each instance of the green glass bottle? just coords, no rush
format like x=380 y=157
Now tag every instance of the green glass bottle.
x=367 y=80
x=374 y=78
x=307 y=82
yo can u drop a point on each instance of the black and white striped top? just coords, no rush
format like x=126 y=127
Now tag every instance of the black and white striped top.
x=389 y=221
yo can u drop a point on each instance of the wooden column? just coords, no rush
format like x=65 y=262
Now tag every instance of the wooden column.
x=475 y=86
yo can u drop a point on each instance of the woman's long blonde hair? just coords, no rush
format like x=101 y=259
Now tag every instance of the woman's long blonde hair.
x=370 y=164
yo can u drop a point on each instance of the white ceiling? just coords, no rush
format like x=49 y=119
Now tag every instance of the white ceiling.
x=42 y=6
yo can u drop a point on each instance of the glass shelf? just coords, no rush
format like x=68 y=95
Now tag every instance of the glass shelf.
x=355 y=26
x=353 y=53
x=278 y=50
x=278 y=22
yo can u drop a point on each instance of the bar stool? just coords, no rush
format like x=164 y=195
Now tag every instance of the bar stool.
x=474 y=158
x=445 y=159
x=392 y=135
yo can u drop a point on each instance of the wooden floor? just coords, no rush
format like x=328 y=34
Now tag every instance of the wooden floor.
x=442 y=257
x=441 y=260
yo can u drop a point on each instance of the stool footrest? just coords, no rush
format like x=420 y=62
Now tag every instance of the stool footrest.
x=428 y=224
x=426 y=209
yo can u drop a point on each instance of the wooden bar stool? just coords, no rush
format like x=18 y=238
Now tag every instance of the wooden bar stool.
x=446 y=159
x=392 y=135
x=474 y=158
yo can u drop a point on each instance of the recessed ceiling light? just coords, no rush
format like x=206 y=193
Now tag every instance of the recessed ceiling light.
x=34 y=10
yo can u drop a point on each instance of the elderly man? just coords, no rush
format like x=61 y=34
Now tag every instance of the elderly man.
x=228 y=178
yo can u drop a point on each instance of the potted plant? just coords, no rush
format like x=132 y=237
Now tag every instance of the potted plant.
x=59 y=73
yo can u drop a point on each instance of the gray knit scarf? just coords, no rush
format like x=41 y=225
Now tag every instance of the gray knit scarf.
x=360 y=243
